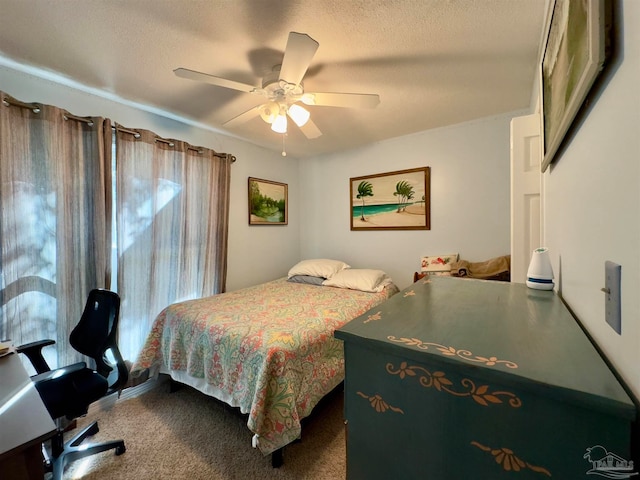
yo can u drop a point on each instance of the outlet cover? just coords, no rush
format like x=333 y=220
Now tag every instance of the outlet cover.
x=613 y=311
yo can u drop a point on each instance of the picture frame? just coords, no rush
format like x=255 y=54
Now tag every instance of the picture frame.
x=268 y=202
x=573 y=58
x=399 y=200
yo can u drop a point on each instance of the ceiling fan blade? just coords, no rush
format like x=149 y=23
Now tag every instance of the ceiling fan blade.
x=298 y=53
x=349 y=100
x=220 y=82
x=310 y=130
x=243 y=117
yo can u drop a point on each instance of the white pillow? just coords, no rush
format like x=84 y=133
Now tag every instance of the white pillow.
x=320 y=267
x=363 y=279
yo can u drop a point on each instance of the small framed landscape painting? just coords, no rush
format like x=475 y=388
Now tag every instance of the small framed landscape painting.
x=391 y=201
x=268 y=202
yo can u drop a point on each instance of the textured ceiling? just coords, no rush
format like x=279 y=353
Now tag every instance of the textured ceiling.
x=433 y=62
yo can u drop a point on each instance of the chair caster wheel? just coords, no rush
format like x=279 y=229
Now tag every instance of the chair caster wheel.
x=121 y=450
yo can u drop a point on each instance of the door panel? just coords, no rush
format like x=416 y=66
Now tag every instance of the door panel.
x=526 y=205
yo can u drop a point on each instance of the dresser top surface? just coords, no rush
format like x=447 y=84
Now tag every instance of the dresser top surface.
x=504 y=329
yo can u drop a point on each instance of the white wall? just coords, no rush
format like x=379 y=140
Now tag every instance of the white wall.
x=593 y=206
x=260 y=253
x=469 y=199
x=257 y=253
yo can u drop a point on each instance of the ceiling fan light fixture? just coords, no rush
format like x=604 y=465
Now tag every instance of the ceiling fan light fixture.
x=283 y=90
x=279 y=125
x=298 y=114
x=269 y=111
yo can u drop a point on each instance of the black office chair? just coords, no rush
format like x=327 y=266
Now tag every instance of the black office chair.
x=68 y=391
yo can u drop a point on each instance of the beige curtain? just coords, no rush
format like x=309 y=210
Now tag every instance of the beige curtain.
x=55 y=202
x=172 y=205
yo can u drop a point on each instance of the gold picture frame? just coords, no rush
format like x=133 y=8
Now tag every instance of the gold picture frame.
x=397 y=200
x=268 y=202
x=573 y=58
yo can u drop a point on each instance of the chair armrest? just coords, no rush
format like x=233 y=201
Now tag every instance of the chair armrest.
x=33 y=351
x=58 y=373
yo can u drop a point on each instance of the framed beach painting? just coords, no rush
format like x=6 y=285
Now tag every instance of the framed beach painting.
x=391 y=201
x=573 y=58
x=268 y=202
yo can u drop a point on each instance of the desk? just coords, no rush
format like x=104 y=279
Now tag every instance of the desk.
x=24 y=422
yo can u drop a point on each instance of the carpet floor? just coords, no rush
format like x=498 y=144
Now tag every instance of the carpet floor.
x=188 y=435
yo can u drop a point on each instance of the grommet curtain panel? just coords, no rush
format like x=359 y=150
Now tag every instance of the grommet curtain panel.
x=56 y=231
x=172 y=204
x=55 y=200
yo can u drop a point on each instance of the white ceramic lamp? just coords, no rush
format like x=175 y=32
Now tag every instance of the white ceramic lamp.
x=540 y=273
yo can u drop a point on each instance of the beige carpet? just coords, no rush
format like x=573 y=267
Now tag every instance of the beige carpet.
x=187 y=435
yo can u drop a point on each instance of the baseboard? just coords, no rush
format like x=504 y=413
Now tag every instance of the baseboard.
x=108 y=402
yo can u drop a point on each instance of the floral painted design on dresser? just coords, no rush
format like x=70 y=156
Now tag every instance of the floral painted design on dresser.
x=467 y=388
x=378 y=404
x=452 y=351
x=509 y=462
x=373 y=317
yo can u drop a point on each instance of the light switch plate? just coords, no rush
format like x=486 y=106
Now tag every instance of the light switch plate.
x=613 y=311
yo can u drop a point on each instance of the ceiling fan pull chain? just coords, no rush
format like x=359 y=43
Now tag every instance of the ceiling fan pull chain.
x=284 y=153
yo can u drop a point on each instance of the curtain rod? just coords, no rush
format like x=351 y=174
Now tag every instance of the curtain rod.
x=130 y=132
x=87 y=120
x=9 y=101
x=232 y=158
x=36 y=107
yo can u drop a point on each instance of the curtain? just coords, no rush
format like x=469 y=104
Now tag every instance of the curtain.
x=172 y=215
x=55 y=202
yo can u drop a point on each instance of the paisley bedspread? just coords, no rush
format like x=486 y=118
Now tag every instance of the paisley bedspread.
x=267 y=349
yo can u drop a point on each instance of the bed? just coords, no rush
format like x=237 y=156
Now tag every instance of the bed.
x=268 y=349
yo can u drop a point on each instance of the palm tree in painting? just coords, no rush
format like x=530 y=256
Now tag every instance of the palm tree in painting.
x=408 y=198
x=404 y=192
x=365 y=189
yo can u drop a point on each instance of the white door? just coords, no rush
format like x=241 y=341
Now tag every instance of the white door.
x=526 y=207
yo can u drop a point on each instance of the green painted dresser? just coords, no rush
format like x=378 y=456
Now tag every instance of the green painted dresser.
x=473 y=379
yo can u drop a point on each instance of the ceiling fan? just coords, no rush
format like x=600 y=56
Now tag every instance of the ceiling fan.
x=284 y=90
